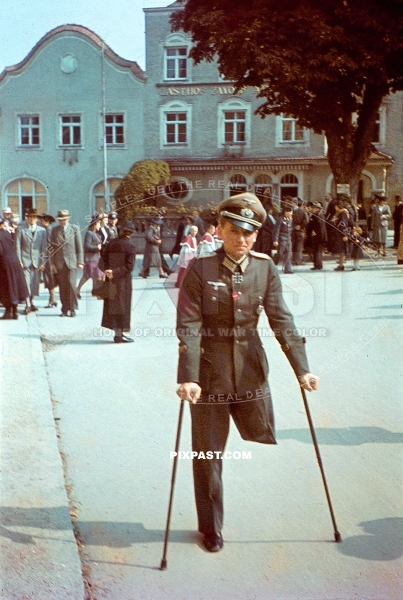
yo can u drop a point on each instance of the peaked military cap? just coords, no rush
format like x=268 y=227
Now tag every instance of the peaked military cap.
x=244 y=210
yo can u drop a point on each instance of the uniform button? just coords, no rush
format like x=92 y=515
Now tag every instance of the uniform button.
x=213 y=298
x=237 y=341
x=239 y=310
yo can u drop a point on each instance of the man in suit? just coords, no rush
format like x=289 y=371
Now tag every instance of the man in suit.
x=299 y=222
x=264 y=241
x=316 y=232
x=223 y=367
x=66 y=256
x=30 y=246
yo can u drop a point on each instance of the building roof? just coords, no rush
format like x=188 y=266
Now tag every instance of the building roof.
x=84 y=31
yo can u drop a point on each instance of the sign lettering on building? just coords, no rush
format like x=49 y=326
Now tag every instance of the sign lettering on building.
x=215 y=90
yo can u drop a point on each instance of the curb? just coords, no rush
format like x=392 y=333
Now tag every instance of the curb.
x=39 y=554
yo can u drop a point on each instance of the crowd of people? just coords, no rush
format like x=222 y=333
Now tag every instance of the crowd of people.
x=48 y=250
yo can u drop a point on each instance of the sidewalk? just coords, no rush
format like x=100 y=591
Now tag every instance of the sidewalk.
x=44 y=565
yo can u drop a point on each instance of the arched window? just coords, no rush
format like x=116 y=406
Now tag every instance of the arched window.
x=237 y=184
x=24 y=193
x=289 y=185
x=263 y=187
x=178 y=190
x=99 y=197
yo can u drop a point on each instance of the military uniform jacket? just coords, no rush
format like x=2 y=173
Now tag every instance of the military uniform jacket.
x=217 y=320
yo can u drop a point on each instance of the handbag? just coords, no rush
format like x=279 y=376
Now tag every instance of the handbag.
x=107 y=291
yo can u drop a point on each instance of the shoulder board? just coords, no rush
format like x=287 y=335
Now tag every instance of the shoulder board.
x=259 y=255
x=207 y=256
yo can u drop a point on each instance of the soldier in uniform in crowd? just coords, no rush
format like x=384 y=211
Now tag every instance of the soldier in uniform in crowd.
x=223 y=367
x=112 y=226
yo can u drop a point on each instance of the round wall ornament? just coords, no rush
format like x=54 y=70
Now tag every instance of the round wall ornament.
x=68 y=63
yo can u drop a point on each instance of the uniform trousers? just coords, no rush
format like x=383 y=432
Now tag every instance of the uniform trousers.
x=67 y=288
x=297 y=246
x=254 y=420
x=316 y=247
x=284 y=254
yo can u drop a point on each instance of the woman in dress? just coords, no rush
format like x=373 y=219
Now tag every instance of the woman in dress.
x=118 y=258
x=13 y=288
x=92 y=247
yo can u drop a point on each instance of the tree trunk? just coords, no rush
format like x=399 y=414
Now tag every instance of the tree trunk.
x=350 y=143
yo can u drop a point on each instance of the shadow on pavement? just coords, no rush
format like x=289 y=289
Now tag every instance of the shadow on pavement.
x=347 y=436
x=384 y=540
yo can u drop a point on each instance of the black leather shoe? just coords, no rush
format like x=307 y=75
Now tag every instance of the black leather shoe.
x=34 y=308
x=63 y=314
x=26 y=310
x=122 y=339
x=72 y=313
x=213 y=542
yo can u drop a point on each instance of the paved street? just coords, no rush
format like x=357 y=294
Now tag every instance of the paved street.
x=115 y=412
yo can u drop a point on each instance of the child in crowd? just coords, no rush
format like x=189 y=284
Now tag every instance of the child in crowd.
x=207 y=244
x=187 y=253
x=356 y=247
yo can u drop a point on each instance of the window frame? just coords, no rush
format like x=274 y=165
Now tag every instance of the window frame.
x=235 y=105
x=175 y=107
x=72 y=125
x=114 y=126
x=177 y=60
x=30 y=127
x=281 y=120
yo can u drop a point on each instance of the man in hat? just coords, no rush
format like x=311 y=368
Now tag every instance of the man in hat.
x=7 y=219
x=381 y=214
x=222 y=367
x=30 y=245
x=316 y=233
x=66 y=256
x=152 y=254
x=299 y=222
x=48 y=277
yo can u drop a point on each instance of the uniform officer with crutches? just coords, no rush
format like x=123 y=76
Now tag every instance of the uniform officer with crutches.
x=222 y=364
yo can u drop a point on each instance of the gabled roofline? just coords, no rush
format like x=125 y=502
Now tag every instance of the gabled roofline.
x=88 y=33
x=174 y=6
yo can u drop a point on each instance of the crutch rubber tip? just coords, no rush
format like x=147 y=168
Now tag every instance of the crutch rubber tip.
x=337 y=537
x=163 y=565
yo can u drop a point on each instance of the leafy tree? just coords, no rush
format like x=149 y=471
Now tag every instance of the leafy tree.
x=326 y=63
x=140 y=187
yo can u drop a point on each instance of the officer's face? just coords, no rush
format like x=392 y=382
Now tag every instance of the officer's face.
x=237 y=241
